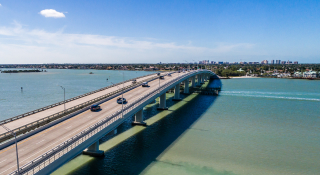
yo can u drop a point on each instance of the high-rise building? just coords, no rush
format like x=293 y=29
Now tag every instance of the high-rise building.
x=296 y=62
x=264 y=62
x=278 y=61
x=272 y=62
x=283 y=62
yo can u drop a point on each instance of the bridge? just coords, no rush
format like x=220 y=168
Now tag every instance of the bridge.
x=51 y=136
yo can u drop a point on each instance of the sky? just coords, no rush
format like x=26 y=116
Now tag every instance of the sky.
x=149 y=31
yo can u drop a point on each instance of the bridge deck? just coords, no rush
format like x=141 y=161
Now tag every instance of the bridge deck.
x=42 y=142
x=34 y=117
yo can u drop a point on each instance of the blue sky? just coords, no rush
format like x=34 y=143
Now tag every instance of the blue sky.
x=153 y=31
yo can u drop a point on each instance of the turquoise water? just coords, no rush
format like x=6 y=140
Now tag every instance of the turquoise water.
x=43 y=88
x=255 y=126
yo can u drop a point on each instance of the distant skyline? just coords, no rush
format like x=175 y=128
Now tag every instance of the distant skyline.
x=36 y=32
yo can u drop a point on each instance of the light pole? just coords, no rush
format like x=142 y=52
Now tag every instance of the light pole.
x=15 y=138
x=64 y=97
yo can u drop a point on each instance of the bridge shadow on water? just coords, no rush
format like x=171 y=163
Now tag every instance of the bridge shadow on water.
x=136 y=153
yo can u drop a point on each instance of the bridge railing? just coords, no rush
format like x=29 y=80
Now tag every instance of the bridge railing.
x=62 y=102
x=43 y=121
x=52 y=155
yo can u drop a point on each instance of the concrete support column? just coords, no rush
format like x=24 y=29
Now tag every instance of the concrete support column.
x=93 y=150
x=198 y=80
x=202 y=79
x=138 y=119
x=194 y=81
x=162 y=102
x=177 y=93
x=186 y=86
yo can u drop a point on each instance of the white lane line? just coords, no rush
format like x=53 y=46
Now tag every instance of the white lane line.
x=59 y=141
x=68 y=127
x=39 y=142
x=8 y=168
x=3 y=160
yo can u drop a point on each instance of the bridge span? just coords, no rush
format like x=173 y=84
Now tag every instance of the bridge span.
x=49 y=148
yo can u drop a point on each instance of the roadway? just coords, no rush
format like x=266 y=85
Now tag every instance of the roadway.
x=36 y=145
x=37 y=116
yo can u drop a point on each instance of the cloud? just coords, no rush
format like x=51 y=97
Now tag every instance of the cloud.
x=19 y=44
x=0 y=5
x=52 y=13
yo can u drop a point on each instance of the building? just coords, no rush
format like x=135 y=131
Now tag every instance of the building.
x=289 y=62
x=310 y=74
x=240 y=70
x=283 y=62
x=298 y=74
x=272 y=62
x=264 y=62
x=284 y=75
x=278 y=61
x=220 y=62
x=296 y=62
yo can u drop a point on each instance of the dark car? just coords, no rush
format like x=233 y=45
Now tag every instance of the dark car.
x=169 y=75
x=145 y=84
x=161 y=77
x=95 y=107
x=158 y=73
x=121 y=100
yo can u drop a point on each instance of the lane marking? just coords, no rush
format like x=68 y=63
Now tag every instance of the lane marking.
x=3 y=160
x=51 y=128
x=39 y=142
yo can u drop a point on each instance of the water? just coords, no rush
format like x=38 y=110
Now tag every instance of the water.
x=42 y=89
x=255 y=126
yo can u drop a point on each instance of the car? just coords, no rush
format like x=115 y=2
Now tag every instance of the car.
x=145 y=84
x=158 y=74
x=121 y=100
x=169 y=75
x=95 y=107
x=161 y=77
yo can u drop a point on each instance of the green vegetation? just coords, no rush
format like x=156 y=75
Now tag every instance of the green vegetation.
x=19 y=71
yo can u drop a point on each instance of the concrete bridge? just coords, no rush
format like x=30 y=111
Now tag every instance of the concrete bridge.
x=43 y=149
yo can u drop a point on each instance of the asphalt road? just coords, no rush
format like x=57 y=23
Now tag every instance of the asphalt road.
x=36 y=145
x=34 y=117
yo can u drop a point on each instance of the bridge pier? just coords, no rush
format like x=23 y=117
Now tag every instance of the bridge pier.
x=177 y=93
x=201 y=79
x=162 y=102
x=194 y=81
x=186 y=86
x=198 y=80
x=93 y=150
x=139 y=118
x=205 y=77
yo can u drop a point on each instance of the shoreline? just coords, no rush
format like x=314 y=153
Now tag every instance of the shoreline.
x=245 y=77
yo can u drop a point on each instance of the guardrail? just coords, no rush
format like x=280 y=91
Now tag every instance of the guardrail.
x=62 y=102
x=50 y=156
x=43 y=121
